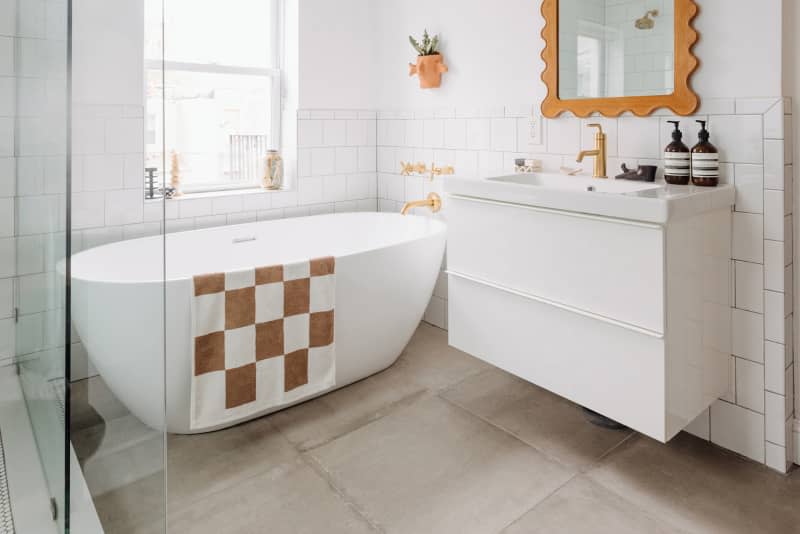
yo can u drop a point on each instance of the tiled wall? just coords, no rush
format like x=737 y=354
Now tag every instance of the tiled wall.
x=32 y=178
x=754 y=138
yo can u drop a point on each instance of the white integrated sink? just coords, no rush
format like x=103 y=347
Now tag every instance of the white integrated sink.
x=575 y=183
x=624 y=199
x=617 y=298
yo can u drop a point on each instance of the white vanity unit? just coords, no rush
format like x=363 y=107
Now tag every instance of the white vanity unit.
x=613 y=294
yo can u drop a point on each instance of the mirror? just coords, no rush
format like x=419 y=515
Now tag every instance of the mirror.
x=611 y=56
x=612 y=49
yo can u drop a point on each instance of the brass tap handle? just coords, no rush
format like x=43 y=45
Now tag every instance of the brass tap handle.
x=598 y=126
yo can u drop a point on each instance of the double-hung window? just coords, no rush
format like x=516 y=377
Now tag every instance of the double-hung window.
x=213 y=83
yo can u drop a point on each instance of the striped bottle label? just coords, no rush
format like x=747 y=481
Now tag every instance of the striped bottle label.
x=676 y=163
x=705 y=165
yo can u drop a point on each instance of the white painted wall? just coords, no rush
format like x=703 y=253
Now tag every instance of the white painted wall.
x=337 y=51
x=111 y=73
x=493 y=51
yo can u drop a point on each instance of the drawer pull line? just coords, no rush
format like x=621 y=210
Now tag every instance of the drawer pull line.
x=559 y=305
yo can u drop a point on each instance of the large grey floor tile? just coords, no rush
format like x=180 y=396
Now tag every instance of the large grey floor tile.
x=320 y=420
x=432 y=467
x=432 y=363
x=203 y=464
x=137 y=508
x=584 y=507
x=427 y=364
x=550 y=423
x=292 y=500
x=701 y=488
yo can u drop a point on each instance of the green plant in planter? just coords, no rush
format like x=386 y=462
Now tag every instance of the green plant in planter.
x=429 y=45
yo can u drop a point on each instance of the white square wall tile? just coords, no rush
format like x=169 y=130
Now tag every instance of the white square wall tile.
x=775 y=418
x=750 y=385
x=309 y=133
x=730 y=394
x=774 y=268
x=739 y=138
x=563 y=136
x=749 y=286
x=479 y=134
x=774 y=316
x=640 y=138
x=334 y=132
x=6 y=137
x=6 y=298
x=346 y=160
x=748 y=235
x=504 y=135
x=773 y=122
x=455 y=134
x=433 y=133
x=6 y=56
x=773 y=164
x=774 y=212
x=367 y=159
x=774 y=367
x=701 y=426
x=776 y=458
x=8 y=257
x=748 y=335
x=323 y=161
x=124 y=207
x=749 y=180
x=738 y=429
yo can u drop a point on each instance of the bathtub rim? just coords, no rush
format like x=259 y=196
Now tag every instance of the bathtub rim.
x=439 y=226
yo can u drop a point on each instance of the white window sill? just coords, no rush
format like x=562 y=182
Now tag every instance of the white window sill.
x=222 y=193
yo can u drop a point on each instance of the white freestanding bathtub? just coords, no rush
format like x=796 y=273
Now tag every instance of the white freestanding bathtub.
x=386 y=268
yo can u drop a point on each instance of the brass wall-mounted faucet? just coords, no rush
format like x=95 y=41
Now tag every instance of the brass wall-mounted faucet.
x=599 y=152
x=407 y=169
x=433 y=201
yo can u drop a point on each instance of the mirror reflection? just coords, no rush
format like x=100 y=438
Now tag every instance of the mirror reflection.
x=615 y=48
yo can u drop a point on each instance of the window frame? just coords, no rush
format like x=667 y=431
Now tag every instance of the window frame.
x=275 y=75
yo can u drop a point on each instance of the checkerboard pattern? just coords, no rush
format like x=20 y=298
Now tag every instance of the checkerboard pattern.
x=263 y=338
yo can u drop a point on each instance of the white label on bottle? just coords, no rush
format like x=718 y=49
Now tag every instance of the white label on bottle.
x=676 y=163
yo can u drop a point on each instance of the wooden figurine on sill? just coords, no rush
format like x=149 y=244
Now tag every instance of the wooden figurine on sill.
x=175 y=175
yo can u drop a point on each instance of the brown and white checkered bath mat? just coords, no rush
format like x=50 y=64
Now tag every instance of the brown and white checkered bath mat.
x=263 y=338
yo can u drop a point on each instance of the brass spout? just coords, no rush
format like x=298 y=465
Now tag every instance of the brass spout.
x=434 y=202
x=599 y=152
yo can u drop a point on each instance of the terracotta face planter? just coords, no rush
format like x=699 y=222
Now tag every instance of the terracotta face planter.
x=429 y=69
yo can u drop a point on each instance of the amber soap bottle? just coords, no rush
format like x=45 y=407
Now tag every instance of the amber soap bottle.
x=677 y=159
x=705 y=161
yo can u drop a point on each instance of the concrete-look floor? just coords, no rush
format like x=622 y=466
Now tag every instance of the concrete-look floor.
x=439 y=443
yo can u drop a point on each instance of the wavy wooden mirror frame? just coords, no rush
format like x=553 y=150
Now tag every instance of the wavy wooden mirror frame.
x=683 y=101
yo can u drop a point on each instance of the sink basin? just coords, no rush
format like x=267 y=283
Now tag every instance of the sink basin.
x=576 y=183
x=622 y=199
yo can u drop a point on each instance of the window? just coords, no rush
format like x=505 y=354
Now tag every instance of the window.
x=213 y=85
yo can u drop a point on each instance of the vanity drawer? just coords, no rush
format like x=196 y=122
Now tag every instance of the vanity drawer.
x=609 y=268
x=611 y=369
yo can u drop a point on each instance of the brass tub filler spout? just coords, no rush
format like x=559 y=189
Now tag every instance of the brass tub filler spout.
x=599 y=152
x=434 y=202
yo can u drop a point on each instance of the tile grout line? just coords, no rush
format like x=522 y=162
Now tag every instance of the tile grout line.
x=507 y=432
x=340 y=492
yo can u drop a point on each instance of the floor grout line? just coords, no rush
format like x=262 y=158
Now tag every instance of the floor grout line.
x=346 y=498
x=527 y=444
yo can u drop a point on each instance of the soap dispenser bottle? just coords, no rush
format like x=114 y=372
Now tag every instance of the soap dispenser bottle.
x=705 y=160
x=677 y=159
